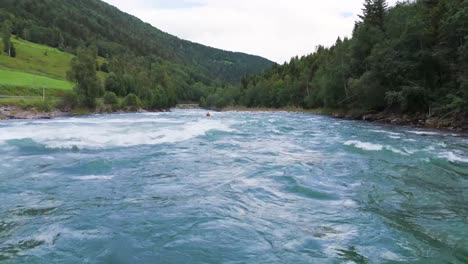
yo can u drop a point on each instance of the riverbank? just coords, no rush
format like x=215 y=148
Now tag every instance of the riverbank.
x=456 y=124
x=17 y=112
x=20 y=112
x=452 y=123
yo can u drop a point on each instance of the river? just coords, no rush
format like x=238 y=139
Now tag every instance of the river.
x=240 y=187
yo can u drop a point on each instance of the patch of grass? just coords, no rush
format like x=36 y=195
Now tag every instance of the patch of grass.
x=29 y=103
x=22 y=79
x=30 y=91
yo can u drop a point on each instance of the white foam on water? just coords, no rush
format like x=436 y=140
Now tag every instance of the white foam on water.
x=95 y=133
x=397 y=151
x=429 y=148
x=427 y=133
x=45 y=175
x=364 y=145
x=452 y=157
x=6 y=165
x=374 y=147
x=389 y=255
x=346 y=203
x=442 y=144
x=50 y=234
x=94 y=178
x=410 y=151
x=74 y=120
x=385 y=132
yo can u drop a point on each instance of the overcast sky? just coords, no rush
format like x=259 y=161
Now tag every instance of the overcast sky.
x=274 y=29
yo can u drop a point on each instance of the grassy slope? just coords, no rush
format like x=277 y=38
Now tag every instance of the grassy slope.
x=37 y=59
x=35 y=66
x=22 y=79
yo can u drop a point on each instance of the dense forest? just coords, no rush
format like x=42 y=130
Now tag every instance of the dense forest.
x=141 y=60
x=410 y=58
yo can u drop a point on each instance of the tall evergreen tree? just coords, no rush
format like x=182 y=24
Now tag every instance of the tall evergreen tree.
x=6 y=33
x=374 y=12
x=366 y=10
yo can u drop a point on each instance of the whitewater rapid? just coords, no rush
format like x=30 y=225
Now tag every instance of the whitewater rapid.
x=240 y=187
x=110 y=131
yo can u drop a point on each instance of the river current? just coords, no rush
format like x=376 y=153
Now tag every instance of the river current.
x=239 y=187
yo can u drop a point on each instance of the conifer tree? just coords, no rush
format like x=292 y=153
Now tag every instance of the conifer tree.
x=6 y=32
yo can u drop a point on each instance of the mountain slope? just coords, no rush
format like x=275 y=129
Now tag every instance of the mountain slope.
x=67 y=24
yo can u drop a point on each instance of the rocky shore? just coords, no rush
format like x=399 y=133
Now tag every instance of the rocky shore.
x=187 y=106
x=452 y=123
x=16 y=112
x=457 y=124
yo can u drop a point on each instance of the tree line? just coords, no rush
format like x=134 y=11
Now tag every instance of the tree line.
x=410 y=58
x=140 y=83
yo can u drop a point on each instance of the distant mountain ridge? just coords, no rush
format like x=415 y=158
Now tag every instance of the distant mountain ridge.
x=67 y=24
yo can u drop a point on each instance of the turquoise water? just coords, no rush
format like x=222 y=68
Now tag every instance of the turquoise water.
x=237 y=188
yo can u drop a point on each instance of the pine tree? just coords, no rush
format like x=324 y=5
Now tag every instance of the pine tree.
x=380 y=10
x=6 y=32
x=12 y=50
x=367 y=10
x=374 y=12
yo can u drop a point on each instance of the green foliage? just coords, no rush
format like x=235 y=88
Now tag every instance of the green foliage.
x=368 y=92
x=45 y=106
x=111 y=98
x=222 y=98
x=69 y=101
x=131 y=102
x=374 y=12
x=114 y=84
x=83 y=72
x=6 y=33
x=409 y=99
x=12 y=50
x=104 y=67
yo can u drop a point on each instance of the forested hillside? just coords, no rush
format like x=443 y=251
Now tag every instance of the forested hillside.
x=410 y=58
x=136 y=51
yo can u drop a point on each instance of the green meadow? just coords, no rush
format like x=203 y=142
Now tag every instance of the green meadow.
x=22 y=79
x=37 y=59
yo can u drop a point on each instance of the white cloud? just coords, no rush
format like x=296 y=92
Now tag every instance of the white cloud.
x=277 y=30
